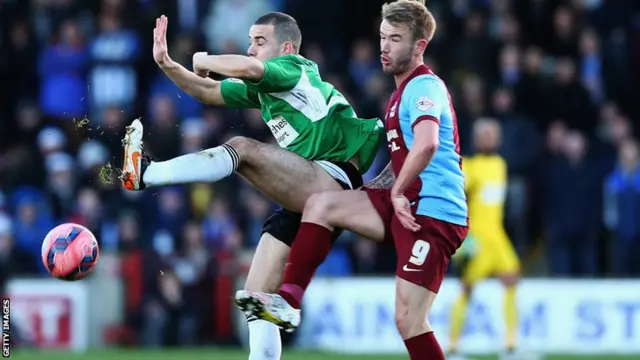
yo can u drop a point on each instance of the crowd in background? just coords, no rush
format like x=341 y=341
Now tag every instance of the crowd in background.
x=558 y=75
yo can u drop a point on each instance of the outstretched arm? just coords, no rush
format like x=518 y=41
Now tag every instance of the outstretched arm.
x=279 y=74
x=235 y=66
x=204 y=89
x=384 y=180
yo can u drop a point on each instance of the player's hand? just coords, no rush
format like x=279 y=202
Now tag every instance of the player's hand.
x=198 y=64
x=402 y=208
x=160 y=48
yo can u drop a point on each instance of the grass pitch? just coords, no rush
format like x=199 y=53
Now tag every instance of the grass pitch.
x=239 y=354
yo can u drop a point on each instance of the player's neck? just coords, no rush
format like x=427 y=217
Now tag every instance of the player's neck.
x=400 y=78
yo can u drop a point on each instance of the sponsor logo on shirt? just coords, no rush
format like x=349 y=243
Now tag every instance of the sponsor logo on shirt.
x=424 y=104
x=235 y=80
x=284 y=133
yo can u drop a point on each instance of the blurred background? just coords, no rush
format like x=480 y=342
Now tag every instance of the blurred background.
x=559 y=76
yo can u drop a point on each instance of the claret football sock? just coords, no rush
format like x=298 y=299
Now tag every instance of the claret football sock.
x=206 y=166
x=309 y=250
x=424 y=347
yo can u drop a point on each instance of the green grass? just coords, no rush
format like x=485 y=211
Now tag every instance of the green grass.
x=236 y=354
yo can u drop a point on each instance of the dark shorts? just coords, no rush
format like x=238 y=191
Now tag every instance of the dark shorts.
x=422 y=256
x=284 y=224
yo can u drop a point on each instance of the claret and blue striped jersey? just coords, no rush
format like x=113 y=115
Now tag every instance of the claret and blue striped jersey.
x=439 y=190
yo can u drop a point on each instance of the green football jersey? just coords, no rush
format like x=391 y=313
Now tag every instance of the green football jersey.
x=305 y=114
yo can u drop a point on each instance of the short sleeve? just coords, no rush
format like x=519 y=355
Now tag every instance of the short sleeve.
x=281 y=73
x=424 y=98
x=237 y=94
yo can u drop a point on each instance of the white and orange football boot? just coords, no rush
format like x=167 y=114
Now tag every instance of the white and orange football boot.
x=269 y=307
x=135 y=159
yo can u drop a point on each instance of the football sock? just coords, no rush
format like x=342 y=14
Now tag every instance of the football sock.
x=511 y=316
x=424 y=346
x=458 y=316
x=309 y=250
x=205 y=166
x=264 y=341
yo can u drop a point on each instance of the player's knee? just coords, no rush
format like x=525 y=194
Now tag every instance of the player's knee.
x=467 y=289
x=242 y=145
x=409 y=322
x=510 y=280
x=319 y=206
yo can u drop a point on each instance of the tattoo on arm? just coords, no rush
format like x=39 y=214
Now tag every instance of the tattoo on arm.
x=384 y=180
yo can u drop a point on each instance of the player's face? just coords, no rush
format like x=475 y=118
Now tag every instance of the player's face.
x=487 y=137
x=263 y=44
x=397 y=48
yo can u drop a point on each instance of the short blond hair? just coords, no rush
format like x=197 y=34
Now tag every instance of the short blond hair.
x=414 y=14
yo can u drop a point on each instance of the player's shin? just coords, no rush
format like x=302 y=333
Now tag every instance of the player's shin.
x=458 y=316
x=264 y=340
x=511 y=316
x=206 y=166
x=309 y=250
x=424 y=346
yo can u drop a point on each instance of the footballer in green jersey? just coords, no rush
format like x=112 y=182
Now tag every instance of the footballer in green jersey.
x=323 y=146
x=305 y=114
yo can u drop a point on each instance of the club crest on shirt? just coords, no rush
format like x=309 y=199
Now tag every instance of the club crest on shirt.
x=424 y=104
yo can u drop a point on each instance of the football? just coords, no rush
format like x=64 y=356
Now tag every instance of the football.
x=70 y=252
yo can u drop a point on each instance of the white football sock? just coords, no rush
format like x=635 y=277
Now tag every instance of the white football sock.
x=264 y=341
x=206 y=166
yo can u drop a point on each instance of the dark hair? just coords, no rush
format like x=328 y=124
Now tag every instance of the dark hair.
x=285 y=27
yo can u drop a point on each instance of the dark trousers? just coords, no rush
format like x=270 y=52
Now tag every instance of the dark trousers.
x=625 y=253
x=573 y=253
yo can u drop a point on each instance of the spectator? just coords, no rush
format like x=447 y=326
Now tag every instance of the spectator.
x=475 y=52
x=114 y=52
x=22 y=58
x=193 y=136
x=220 y=228
x=591 y=65
x=229 y=20
x=14 y=261
x=622 y=199
x=520 y=139
x=171 y=210
x=61 y=183
x=572 y=220
x=163 y=139
x=564 y=42
x=32 y=220
x=510 y=65
x=569 y=99
x=533 y=86
x=363 y=63
x=129 y=233
x=258 y=209
x=62 y=70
